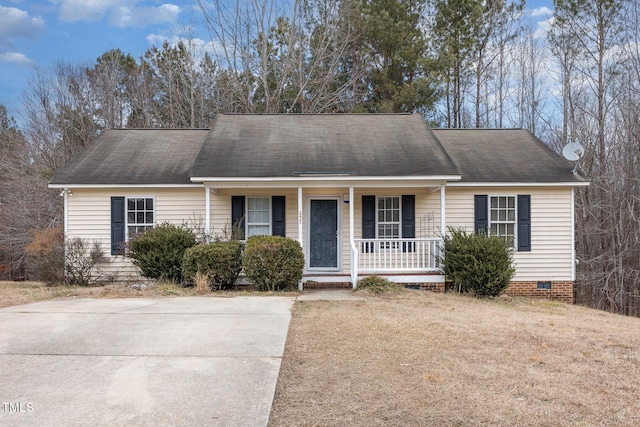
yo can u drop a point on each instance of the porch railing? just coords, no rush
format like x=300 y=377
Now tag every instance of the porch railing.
x=396 y=255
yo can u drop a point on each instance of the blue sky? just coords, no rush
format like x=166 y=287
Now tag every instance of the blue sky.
x=39 y=33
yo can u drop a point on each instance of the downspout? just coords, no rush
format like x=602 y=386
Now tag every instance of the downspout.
x=352 y=242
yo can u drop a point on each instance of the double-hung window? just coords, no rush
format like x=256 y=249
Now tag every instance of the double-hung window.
x=129 y=216
x=258 y=216
x=388 y=220
x=508 y=217
x=502 y=218
x=140 y=215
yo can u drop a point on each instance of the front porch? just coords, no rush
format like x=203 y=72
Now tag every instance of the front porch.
x=347 y=230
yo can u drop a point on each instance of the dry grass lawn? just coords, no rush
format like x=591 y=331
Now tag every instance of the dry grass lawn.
x=425 y=359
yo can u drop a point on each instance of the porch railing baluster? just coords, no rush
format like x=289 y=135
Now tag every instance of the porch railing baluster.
x=397 y=255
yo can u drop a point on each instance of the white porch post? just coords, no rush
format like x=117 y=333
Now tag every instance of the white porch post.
x=300 y=226
x=443 y=216
x=352 y=237
x=573 y=235
x=207 y=213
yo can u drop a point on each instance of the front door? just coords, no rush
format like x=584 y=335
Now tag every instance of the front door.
x=323 y=234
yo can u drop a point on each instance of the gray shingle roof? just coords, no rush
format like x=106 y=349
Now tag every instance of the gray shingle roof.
x=504 y=155
x=135 y=156
x=289 y=145
x=257 y=146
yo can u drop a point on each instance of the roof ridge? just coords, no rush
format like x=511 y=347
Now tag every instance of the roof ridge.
x=316 y=114
x=148 y=129
x=478 y=129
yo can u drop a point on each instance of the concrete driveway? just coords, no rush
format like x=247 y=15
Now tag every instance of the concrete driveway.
x=191 y=361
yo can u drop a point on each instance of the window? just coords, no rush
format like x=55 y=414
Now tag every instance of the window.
x=140 y=215
x=388 y=217
x=502 y=218
x=388 y=221
x=262 y=216
x=508 y=217
x=258 y=221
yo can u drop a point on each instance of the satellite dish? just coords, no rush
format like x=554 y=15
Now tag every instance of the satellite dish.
x=573 y=151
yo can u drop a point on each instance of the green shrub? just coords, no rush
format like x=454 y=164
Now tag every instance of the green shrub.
x=273 y=262
x=220 y=261
x=377 y=285
x=477 y=263
x=158 y=252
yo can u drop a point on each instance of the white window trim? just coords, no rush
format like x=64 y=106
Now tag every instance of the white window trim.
x=515 y=221
x=246 y=220
x=126 y=213
x=378 y=222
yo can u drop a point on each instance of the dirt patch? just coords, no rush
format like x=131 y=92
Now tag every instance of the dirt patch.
x=422 y=358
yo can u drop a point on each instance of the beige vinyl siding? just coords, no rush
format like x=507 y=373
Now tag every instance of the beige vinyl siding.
x=551 y=254
x=89 y=217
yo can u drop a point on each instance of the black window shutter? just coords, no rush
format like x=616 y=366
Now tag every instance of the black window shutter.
x=408 y=221
x=369 y=220
x=237 y=214
x=524 y=223
x=278 y=216
x=117 y=224
x=408 y=217
x=481 y=213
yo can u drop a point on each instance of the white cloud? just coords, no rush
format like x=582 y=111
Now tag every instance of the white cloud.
x=541 y=11
x=121 y=13
x=87 y=10
x=16 y=23
x=125 y=16
x=542 y=28
x=16 y=58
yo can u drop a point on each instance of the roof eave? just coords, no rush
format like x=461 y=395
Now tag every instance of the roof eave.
x=60 y=186
x=520 y=184
x=324 y=177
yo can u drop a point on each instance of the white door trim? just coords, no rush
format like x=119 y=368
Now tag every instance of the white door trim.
x=307 y=249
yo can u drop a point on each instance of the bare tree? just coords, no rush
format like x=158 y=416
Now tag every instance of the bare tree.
x=589 y=36
x=112 y=81
x=497 y=26
x=298 y=61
